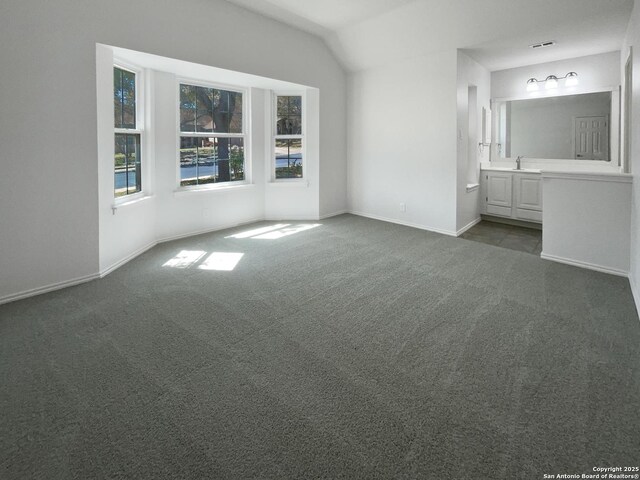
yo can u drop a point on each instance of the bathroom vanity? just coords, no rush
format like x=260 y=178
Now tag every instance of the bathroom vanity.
x=514 y=194
x=569 y=139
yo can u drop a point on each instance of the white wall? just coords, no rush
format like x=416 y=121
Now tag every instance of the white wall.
x=633 y=40
x=49 y=230
x=594 y=72
x=402 y=142
x=333 y=144
x=470 y=73
x=579 y=227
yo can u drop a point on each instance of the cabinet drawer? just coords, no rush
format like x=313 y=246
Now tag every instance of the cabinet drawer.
x=530 y=215
x=497 y=210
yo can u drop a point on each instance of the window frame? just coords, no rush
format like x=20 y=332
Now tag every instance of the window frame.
x=274 y=134
x=138 y=130
x=245 y=135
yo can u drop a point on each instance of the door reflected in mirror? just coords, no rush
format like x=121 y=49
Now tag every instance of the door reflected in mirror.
x=565 y=127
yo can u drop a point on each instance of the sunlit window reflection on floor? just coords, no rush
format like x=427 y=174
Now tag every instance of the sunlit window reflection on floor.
x=185 y=259
x=274 y=232
x=225 y=261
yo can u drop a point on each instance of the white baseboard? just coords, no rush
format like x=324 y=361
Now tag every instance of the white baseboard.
x=106 y=271
x=467 y=227
x=303 y=218
x=48 y=288
x=406 y=224
x=636 y=293
x=590 y=266
x=334 y=214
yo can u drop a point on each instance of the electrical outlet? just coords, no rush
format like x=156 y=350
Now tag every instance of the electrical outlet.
x=403 y=207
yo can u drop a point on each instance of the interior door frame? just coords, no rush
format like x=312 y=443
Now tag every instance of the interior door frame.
x=626 y=120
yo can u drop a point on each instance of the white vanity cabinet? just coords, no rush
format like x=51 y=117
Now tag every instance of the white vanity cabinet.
x=513 y=194
x=499 y=193
x=527 y=189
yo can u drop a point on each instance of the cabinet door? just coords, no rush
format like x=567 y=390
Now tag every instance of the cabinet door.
x=499 y=189
x=528 y=192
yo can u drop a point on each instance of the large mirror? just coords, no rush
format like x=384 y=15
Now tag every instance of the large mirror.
x=576 y=127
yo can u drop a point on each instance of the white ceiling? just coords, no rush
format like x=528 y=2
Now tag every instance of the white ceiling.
x=369 y=33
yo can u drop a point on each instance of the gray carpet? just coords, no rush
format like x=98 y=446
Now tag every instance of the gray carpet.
x=357 y=349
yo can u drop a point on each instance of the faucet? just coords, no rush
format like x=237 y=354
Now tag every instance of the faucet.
x=518 y=161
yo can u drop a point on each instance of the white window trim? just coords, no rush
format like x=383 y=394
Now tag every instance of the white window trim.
x=272 y=141
x=141 y=107
x=245 y=135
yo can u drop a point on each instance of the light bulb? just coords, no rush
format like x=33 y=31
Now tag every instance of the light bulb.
x=572 y=79
x=532 y=85
x=551 y=82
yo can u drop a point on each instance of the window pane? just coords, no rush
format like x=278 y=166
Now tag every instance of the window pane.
x=187 y=108
x=236 y=158
x=288 y=158
x=211 y=160
x=227 y=111
x=117 y=97
x=128 y=177
x=120 y=165
x=289 y=115
x=289 y=126
x=188 y=160
x=204 y=109
x=128 y=99
x=283 y=106
x=133 y=164
x=295 y=105
x=230 y=159
x=210 y=110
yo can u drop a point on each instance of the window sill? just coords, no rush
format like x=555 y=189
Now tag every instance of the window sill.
x=129 y=201
x=182 y=191
x=471 y=187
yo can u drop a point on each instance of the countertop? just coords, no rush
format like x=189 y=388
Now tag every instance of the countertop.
x=512 y=170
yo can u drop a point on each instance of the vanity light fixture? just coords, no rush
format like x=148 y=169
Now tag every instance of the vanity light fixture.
x=572 y=79
x=551 y=82
x=532 y=85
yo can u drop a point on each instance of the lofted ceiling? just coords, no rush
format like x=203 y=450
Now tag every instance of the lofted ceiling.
x=369 y=33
